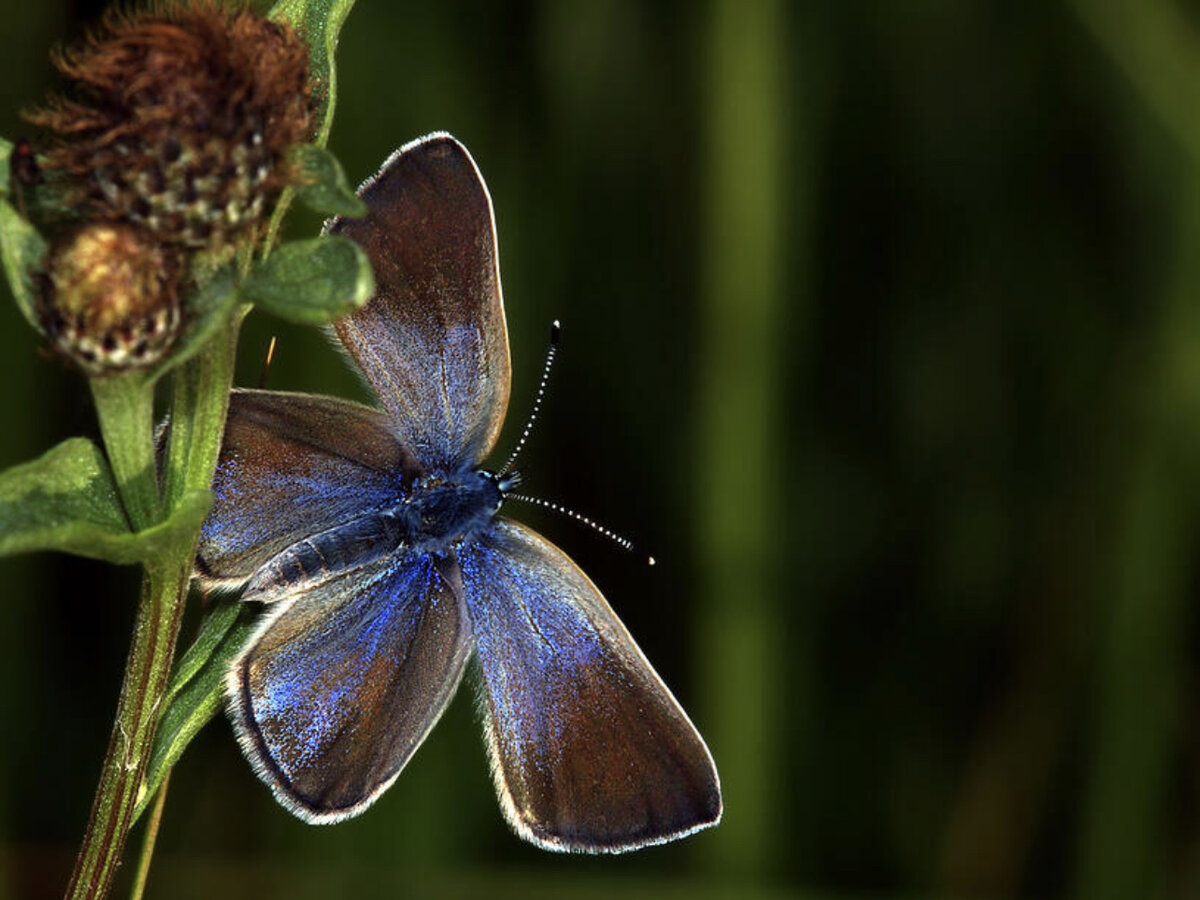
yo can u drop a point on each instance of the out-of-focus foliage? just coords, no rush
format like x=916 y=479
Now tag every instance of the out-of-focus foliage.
x=881 y=331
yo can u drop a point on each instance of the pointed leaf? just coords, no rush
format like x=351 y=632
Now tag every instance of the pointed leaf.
x=67 y=500
x=212 y=632
x=5 y=166
x=22 y=250
x=319 y=21
x=197 y=691
x=312 y=282
x=63 y=500
x=182 y=525
x=325 y=189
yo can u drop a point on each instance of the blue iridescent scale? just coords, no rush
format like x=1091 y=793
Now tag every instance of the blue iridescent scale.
x=372 y=541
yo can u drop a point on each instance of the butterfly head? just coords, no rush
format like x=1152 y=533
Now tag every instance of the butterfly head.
x=504 y=482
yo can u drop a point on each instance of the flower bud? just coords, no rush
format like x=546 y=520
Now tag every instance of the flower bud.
x=109 y=301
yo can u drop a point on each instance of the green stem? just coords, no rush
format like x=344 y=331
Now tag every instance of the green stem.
x=198 y=415
x=164 y=587
x=1143 y=666
x=198 y=407
x=148 y=841
x=125 y=407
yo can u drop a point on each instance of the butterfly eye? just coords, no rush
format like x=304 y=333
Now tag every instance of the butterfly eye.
x=502 y=484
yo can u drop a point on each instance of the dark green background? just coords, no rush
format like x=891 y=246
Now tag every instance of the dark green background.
x=881 y=332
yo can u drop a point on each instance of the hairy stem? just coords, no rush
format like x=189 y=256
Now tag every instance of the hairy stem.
x=198 y=415
x=147 y=670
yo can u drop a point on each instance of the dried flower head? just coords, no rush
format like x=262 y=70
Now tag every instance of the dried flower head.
x=109 y=301
x=179 y=120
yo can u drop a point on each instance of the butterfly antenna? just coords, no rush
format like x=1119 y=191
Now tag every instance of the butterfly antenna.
x=623 y=543
x=551 y=352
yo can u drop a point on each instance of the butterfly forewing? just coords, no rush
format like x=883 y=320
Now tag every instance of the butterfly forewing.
x=338 y=688
x=293 y=465
x=432 y=341
x=370 y=537
x=589 y=749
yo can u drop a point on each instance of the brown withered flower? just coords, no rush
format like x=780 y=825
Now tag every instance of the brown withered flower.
x=178 y=121
x=171 y=140
x=109 y=299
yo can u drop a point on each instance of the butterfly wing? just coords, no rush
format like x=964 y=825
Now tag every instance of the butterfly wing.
x=432 y=341
x=589 y=749
x=293 y=465
x=341 y=683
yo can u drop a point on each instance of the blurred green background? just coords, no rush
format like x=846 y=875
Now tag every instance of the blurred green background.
x=881 y=332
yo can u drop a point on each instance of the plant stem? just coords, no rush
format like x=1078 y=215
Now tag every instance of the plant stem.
x=198 y=406
x=126 y=417
x=143 y=869
x=125 y=407
x=147 y=670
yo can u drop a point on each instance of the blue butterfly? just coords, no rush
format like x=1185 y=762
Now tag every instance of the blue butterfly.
x=372 y=538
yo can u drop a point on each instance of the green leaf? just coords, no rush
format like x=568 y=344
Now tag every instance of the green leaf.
x=64 y=498
x=216 y=625
x=22 y=250
x=319 y=21
x=312 y=282
x=67 y=500
x=181 y=525
x=5 y=167
x=196 y=692
x=325 y=189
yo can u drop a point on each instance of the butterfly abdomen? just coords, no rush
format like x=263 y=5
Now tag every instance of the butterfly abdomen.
x=435 y=515
x=308 y=562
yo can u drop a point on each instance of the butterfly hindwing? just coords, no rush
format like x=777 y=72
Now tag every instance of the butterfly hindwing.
x=292 y=465
x=432 y=341
x=589 y=749
x=371 y=539
x=339 y=686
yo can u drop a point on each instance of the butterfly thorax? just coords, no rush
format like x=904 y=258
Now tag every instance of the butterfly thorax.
x=434 y=515
x=440 y=511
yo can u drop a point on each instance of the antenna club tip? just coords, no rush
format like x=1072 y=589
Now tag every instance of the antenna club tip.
x=555 y=331
x=651 y=561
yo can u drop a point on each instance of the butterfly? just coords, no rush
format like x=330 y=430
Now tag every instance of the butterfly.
x=372 y=538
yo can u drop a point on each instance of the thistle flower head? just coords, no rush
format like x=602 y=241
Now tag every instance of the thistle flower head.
x=178 y=121
x=171 y=140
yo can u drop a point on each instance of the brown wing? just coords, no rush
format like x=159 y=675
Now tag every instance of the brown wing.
x=590 y=751
x=293 y=465
x=432 y=341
